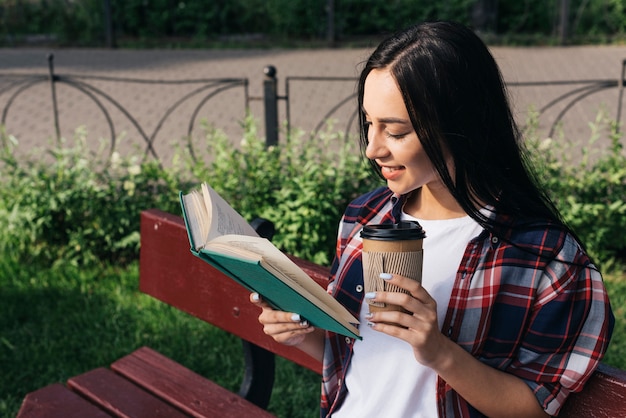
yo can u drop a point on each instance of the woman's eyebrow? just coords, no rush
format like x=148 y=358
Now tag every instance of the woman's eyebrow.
x=391 y=119
x=388 y=119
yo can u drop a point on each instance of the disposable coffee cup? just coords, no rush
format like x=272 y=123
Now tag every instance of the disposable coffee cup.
x=394 y=249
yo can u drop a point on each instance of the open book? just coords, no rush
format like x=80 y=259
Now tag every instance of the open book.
x=222 y=237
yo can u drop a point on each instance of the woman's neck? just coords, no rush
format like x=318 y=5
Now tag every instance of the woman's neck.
x=433 y=203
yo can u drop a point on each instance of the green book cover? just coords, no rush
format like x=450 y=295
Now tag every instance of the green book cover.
x=255 y=277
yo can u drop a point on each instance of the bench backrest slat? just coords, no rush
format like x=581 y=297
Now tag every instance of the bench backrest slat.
x=170 y=273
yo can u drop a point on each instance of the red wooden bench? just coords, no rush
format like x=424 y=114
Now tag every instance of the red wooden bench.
x=148 y=384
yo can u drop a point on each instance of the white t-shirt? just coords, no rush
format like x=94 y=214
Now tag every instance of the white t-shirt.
x=384 y=379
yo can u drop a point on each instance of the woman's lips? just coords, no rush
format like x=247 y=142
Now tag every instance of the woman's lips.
x=391 y=173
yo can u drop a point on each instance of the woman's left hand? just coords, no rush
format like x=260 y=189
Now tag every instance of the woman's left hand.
x=482 y=386
x=420 y=329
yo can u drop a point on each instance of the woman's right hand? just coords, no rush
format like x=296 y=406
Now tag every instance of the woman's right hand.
x=284 y=327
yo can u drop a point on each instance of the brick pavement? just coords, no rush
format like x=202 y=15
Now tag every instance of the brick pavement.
x=29 y=117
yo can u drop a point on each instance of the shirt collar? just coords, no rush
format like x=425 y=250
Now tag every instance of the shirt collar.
x=397 y=202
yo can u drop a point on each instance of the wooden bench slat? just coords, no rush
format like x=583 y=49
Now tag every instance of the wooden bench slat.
x=120 y=397
x=58 y=401
x=604 y=396
x=170 y=273
x=192 y=393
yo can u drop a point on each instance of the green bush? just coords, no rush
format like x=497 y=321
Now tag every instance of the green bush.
x=75 y=22
x=589 y=188
x=194 y=22
x=61 y=208
x=64 y=209
x=386 y=16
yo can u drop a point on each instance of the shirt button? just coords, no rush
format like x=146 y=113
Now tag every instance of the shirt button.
x=494 y=240
x=348 y=340
x=359 y=288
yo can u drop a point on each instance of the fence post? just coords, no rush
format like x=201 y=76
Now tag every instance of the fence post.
x=620 y=95
x=55 y=109
x=270 y=100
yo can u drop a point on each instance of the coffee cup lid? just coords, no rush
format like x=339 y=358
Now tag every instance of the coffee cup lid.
x=401 y=231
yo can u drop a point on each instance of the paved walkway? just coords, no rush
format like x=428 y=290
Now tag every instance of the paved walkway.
x=30 y=116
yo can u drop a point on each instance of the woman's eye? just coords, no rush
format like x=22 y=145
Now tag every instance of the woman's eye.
x=397 y=136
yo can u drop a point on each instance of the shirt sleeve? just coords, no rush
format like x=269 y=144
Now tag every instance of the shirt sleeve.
x=569 y=329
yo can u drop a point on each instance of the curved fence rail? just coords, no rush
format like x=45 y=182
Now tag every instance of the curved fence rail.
x=581 y=89
x=556 y=108
x=203 y=90
x=345 y=103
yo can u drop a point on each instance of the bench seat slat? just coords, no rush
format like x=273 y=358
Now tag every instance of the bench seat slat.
x=188 y=391
x=119 y=396
x=58 y=401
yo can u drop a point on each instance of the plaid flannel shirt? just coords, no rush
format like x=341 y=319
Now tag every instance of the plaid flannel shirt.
x=537 y=309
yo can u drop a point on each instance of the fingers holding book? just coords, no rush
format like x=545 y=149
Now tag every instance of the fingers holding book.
x=284 y=327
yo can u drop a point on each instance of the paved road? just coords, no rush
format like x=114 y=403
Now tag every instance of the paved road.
x=30 y=118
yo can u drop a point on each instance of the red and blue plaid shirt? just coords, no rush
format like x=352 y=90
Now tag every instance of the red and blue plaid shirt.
x=525 y=300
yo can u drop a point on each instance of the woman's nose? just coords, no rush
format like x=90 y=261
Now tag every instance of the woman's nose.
x=375 y=145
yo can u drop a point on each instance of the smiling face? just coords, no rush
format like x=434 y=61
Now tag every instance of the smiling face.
x=392 y=140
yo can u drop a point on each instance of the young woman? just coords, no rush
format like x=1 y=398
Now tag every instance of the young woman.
x=511 y=316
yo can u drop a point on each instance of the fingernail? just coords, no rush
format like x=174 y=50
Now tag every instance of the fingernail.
x=256 y=297
x=304 y=323
x=385 y=276
x=370 y=295
x=295 y=317
x=369 y=315
x=371 y=324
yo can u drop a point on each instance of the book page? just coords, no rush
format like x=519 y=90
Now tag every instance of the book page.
x=277 y=263
x=196 y=217
x=222 y=218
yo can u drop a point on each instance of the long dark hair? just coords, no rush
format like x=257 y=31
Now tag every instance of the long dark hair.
x=458 y=105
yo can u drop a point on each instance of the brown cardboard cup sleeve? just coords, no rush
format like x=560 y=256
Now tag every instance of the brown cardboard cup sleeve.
x=408 y=264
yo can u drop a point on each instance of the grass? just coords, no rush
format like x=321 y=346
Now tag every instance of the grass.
x=55 y=324
x=58 y=323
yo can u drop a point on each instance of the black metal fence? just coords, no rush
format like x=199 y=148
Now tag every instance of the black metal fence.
x=566 y=95
x=577 y=91
x=202 y=91
x=191 y=105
